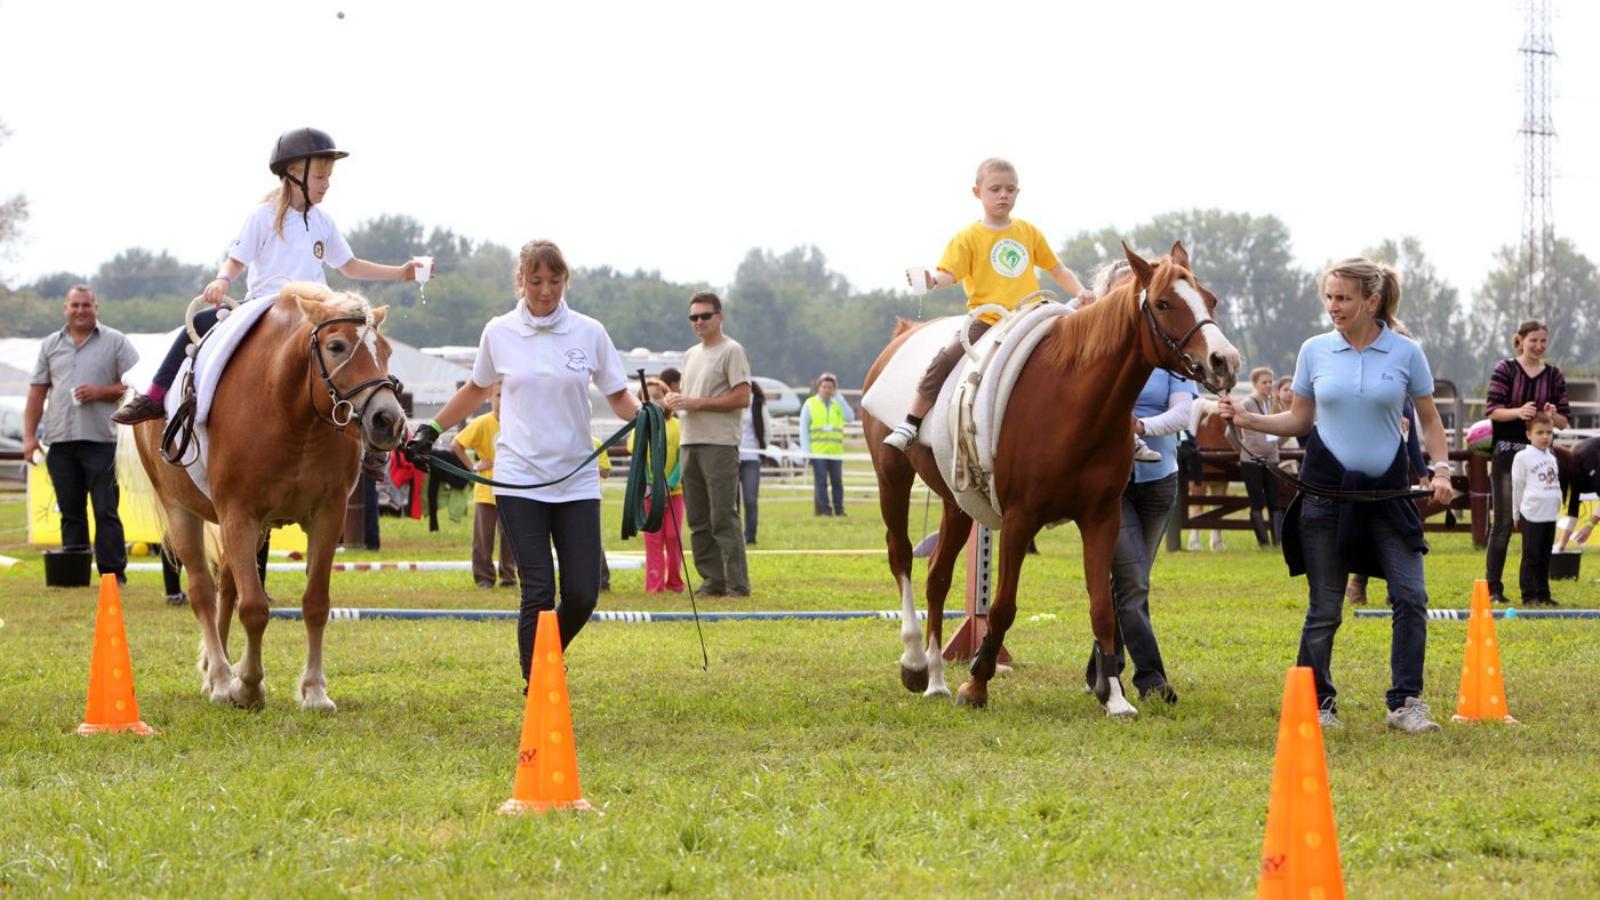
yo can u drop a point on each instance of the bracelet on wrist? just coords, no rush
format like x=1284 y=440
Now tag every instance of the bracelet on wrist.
x=224 y=278
x=434 y=424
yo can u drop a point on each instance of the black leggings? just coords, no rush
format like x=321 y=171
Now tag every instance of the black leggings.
x=575 y=528
x=203 y=322
x=1262 y=488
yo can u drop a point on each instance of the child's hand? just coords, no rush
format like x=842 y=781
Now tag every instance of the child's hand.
x=216 y=291
x=1086 y=297
x=408 y=272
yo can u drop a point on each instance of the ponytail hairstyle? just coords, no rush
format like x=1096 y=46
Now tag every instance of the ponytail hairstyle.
x=758 y=405
x=1523 y=330
x=1379 y=279
x=536 y=253
x=284 y=195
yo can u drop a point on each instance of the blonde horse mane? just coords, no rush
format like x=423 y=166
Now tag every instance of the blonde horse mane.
x=1107 y=324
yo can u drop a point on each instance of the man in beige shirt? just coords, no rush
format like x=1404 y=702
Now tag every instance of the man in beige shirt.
x=716 y=390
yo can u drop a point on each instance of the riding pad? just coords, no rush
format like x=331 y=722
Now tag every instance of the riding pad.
x=209 y=364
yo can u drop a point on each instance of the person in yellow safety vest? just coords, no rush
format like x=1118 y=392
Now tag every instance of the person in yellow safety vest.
x=822 y=419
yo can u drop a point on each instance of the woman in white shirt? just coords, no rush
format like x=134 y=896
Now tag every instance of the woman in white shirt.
x=545 y=355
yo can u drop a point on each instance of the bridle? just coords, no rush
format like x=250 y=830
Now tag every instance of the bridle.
x=1189 y=367
x=344 y=409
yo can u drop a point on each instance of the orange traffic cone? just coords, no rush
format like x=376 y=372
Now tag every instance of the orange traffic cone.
x=1483 y=687
x=547 y=759
x=112 y=706
x=1300 y=857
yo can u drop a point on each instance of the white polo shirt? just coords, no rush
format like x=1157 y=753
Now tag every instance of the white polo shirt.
x=546 y=364
x=297 y=255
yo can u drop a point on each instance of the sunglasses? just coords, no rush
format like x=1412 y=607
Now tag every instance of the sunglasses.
x=701 y=317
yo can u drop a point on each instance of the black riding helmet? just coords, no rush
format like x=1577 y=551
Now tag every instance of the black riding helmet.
x=302 y=145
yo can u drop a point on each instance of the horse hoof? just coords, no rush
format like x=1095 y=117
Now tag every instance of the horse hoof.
x=936 y=691
x=914 y=680
x=965 y=697
x=318 y=703
x=1119 y=708
x=245 y=696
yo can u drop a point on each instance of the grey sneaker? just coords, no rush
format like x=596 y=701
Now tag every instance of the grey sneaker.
x=1327 y=719
x=1413 y=718
x=1142 y=451
x=901 y=437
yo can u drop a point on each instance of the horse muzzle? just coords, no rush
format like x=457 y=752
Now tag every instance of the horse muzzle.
x=384 y=426
x=1220 y=369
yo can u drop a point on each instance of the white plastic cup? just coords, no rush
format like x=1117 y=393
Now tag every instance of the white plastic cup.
x=424 y=270
x=918 y=277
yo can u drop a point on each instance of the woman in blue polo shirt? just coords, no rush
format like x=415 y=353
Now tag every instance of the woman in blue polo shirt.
x=1352 y=384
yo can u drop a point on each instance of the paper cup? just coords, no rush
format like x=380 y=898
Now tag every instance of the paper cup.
x=424 y=268
x=917 y=277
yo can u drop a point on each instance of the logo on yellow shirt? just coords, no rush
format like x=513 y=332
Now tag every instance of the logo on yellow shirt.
x=1008 y=257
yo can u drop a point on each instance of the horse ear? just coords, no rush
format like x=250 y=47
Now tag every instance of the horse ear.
x=1142 y=270
x=315 y=311
x=1180 y=255
x=379 y=314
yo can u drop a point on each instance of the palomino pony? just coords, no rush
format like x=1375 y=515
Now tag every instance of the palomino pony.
x=299 y=396
x=1065 y=451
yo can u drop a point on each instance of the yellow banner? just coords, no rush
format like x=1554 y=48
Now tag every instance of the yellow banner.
x=135 y=507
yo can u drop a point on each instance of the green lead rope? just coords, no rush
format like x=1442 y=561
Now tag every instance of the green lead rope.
x=649 y=458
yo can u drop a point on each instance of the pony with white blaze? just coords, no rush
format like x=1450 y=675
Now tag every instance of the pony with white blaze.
x=305 y=389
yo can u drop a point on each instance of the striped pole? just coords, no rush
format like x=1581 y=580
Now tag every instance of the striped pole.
x=357 y=614
x=1463 y=615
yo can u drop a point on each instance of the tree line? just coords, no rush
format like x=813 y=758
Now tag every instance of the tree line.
x=797 y=317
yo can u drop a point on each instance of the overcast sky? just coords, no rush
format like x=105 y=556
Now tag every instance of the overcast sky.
x=675 y=136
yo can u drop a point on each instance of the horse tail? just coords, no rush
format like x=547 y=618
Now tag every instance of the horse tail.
x=137 y=492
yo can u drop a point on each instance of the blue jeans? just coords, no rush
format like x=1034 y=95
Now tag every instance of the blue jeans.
x=824 y=471
x=1146 y=509
x=82 y=472
x=1327 y=573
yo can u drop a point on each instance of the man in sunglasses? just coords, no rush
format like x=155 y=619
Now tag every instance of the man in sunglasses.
x=716 y=390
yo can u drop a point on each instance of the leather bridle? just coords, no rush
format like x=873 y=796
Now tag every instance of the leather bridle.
x=344 y=410
x=1189 y=367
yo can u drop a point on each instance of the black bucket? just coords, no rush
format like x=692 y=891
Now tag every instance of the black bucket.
x=67 y=568
x=1564 y=565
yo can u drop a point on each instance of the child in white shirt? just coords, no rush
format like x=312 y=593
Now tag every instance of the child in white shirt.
x=1536 y=498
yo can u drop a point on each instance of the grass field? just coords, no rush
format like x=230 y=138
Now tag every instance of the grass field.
x=795 y=766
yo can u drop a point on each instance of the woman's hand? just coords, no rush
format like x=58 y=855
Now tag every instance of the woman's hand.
x=216 y=291
x=1226 y=410
x=1527 y=410
x=1443 y=492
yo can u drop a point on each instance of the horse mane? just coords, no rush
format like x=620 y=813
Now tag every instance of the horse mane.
x=901 y=326
x=1105 y=326
x=344 y=303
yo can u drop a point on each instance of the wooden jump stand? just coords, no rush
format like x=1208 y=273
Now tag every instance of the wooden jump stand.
x=963 y=645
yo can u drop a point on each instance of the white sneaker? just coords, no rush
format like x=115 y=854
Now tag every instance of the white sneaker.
x=901 y=437
x=1412 y=718
x=1327 y=719
x=1142 y=451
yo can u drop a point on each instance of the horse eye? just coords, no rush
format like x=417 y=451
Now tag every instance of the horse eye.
x=1163 y=305
x=336 y=346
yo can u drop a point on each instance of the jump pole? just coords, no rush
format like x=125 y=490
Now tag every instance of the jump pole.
x=963 y=645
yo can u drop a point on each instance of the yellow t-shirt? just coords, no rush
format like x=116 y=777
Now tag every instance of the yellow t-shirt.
x=603 y=460
x=479 y=436
x=997 y=265
x=674 y=435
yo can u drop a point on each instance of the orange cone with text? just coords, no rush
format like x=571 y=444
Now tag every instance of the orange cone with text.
x=112 y=706
x=1300 y=857
x=1483 y=687
x=547 y=759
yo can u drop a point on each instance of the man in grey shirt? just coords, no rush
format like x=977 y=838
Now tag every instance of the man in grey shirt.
x=75 y=387
x=716 y=390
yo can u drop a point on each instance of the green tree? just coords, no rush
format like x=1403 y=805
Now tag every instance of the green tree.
x=1572 y=316
x=1431 y=310
x=137 y=272
x=1265 y=304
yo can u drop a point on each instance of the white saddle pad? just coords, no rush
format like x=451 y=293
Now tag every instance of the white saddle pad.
x=890 y=396
x=224 y=338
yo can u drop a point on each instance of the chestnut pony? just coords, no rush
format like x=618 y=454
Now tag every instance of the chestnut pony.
x=1064 y=452
x=300 y=395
